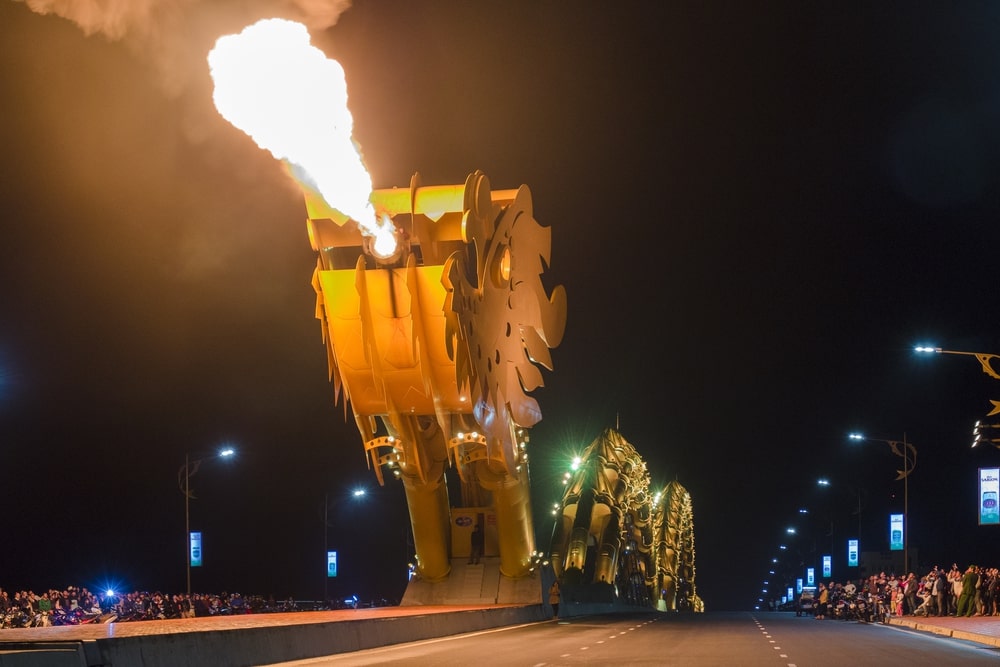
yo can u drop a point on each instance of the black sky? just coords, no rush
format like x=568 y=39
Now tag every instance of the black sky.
x=757 y=209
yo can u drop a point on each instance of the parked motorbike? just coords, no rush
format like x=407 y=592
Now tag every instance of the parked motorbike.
x=881 y=608
x=76 y=616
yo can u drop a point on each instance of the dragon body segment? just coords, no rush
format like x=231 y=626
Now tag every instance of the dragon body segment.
x=614 y=542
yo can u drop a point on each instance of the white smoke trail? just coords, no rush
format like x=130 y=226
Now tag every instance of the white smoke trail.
x=116 y=19
x=112 y=18
x=175 y=35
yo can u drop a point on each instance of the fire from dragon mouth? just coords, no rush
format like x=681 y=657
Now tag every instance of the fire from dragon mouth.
x=260 y=75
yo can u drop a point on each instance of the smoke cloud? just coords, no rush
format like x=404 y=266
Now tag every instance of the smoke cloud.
x=116 y=19
x=176 y=35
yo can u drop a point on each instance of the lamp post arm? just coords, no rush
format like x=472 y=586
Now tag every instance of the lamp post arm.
x=906 y=451
x=984 y=359
x=184 y=475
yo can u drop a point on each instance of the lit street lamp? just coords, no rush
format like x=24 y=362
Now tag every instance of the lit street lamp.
x=857 y=509
x=186 y=472
x=356 y=494
x=908 y=453
x=984 y=359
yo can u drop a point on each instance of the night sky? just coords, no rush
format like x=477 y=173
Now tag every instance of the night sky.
x=757 y=210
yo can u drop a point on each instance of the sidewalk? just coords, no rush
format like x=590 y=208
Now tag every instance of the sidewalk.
x=982 y=629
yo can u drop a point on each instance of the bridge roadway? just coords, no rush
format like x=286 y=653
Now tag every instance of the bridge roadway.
x=249 y=639
x=262 y=639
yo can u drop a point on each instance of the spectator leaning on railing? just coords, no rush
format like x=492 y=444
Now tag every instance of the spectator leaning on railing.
x=72 y=605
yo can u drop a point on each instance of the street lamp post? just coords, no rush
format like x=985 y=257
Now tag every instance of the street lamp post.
x=825 y=483
x=354 y=495
x=908 y=453
x=187 y=471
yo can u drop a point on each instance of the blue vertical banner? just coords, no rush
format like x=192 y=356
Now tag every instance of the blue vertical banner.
x=852 y=553
x=989 y=486
x=798 y=585
x=827 y=567
x=810 y=576
x=895 y=532
x=194 y=541
x=331 y=563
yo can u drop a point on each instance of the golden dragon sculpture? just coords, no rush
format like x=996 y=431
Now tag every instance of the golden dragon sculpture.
x=437 y=347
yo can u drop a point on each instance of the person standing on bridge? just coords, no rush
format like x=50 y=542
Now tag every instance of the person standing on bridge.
x=967 y=601
x=910 y=587
x=940 y=589
x=822 y=601
x=554 y=598
x=478 y=542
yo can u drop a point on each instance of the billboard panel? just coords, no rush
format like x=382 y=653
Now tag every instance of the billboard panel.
x=194 y=544
x=895 y=532
x=989 y=486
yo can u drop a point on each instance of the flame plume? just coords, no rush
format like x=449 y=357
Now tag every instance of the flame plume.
x=259 y=77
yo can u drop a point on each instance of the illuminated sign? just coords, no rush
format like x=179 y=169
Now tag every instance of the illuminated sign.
x=989 y=486
x=852 y=553
x=810 y=576
x=895 y=532
x=194 y=542
x=331 y=563
x=827 y=567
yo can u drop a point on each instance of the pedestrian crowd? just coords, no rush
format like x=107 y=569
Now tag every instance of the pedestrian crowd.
x=75 y=605
x=940 y=592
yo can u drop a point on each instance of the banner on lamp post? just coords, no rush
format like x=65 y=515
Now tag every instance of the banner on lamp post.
x=195 y=549
x=895 y=532
x=989 y=486
x=331 y=563
x=852 y=553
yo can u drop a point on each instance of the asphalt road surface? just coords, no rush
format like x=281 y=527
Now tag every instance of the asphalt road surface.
x=725 y=639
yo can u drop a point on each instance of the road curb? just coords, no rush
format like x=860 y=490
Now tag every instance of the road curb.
x=954 y=633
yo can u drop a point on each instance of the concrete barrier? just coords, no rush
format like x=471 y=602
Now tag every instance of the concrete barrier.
x=249 y=646
x=49 y=654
